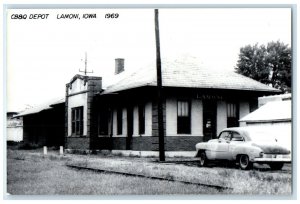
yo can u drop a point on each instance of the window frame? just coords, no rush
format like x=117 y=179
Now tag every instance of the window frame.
x=77 y=121
x=184 y=128
x=226 y=137
x=232 y=136
x=232 y=114
x=142 y=118
x=119 y=121
x=103 y=122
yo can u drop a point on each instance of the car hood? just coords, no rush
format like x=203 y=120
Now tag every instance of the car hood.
x=272 y=148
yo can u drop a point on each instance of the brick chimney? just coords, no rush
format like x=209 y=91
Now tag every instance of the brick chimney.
x=119 y=65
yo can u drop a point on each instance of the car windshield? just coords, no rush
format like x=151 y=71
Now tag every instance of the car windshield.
x=261 y=136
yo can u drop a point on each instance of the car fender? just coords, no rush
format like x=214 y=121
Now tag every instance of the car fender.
x=247 y=149
x=200 y=146
x=208 y=147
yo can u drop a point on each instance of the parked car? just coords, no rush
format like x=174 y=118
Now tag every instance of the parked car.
x=245 y=146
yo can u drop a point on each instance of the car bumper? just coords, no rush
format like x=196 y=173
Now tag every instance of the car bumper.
x=268 y=160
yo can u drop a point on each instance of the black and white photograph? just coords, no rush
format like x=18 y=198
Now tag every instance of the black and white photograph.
x=149 y=101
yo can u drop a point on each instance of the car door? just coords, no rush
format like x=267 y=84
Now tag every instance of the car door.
x=222 y=146
x=236 y=140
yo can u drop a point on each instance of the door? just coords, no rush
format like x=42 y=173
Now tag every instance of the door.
x=129 y=128
x=209 y=120
x=222 y=147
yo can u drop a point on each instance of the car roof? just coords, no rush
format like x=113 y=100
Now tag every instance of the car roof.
x=238 y=129
x=242 y=130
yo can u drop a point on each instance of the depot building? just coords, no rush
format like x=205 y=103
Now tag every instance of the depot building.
x=197 y=104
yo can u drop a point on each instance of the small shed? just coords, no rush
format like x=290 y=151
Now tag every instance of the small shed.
x=275 y=117
x=44 y=125
x=14 y=127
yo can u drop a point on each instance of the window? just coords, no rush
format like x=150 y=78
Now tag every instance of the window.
x=253 y=105
x=119 y=121
x=183 y=117
x=141 y=119
x=77 y=121
x=103 y=122
x=236 y=137
x=232 y=115
x=225 y=136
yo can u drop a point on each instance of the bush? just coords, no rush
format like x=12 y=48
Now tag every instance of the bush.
x=28 y=146
x=53 y=148
x=12 y=143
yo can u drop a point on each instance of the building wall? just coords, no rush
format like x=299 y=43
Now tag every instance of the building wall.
x=15 y=134
x=196 y=118
x=124 y=123
x=244 y=110
x=149 y=140
x=14 y=130
x=76 y=101
x=140 y=143
x=265 y=99
x=82 y=143
x=281 y=130
x=148 y=120
x=221 y=116
x=173 y=141
x=81 y=92
x=171 y=116
x=45 y=128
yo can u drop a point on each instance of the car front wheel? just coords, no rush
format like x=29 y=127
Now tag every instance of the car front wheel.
x=276 y=166
x=245 y=163
x=203 y=159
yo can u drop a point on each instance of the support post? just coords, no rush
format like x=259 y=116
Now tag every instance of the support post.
x=45 y=150
x=61 y=150
x=159 y=92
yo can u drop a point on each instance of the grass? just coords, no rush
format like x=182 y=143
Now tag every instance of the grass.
x=242 y=182
x=38 y=175
x=33 y=174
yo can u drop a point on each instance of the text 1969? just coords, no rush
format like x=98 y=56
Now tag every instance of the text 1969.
x=111 y=15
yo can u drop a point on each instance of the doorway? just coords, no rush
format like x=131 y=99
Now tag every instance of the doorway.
x=209 y=120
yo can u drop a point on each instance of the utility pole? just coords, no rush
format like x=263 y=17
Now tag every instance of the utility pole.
x=85 y=66
x=161 y=134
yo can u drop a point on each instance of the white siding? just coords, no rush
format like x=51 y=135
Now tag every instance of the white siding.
x=282 y=131
x=124 y=123
x=221 y=116
x=77 y=86
x=244 y=110
x=148 y=118
x=76 y=101
x=15 y=134
x=171 y=117
x=135 y=121
x=197 y=117
x=114 y=122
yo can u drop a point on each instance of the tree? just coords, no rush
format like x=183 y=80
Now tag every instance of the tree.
x=269 y=64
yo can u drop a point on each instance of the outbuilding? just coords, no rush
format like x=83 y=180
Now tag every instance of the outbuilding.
x=44 y=125
x=275 y=118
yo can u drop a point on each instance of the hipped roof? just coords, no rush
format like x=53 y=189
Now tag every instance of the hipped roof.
x=188 y=74
x=46 y=106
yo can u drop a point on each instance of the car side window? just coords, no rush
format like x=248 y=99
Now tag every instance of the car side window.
x=236 y=137
x=225 y=136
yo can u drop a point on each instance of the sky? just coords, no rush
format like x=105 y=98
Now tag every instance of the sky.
x=44 y=54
